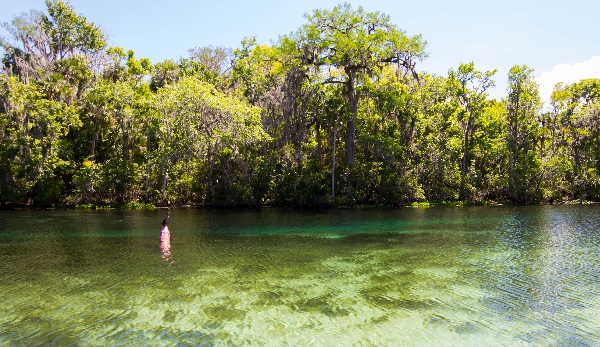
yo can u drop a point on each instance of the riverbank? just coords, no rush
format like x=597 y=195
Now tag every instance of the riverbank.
x=422 y=204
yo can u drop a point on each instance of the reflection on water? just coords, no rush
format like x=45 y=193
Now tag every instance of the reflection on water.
x=165 y=246
x=418 y=277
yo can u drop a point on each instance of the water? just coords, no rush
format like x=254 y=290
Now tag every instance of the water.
x=489 y=276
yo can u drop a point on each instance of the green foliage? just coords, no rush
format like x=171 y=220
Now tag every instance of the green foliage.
x=523 y=105
x=344 y=46
x=38 y=40
x=125 y=67
x=164 y=73
x=127 y=206
x=468 y=88
x=70 y=32
x=268 y=124
x=255 y=69
x=348 y=38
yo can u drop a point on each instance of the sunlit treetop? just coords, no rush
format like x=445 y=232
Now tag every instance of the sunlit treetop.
x=354 y=40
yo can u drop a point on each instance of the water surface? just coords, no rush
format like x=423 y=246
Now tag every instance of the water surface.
x=480 y=276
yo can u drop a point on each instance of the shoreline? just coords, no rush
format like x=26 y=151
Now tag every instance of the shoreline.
x=423 y=204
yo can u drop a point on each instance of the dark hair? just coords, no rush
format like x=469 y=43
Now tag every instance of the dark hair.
x=166 y=219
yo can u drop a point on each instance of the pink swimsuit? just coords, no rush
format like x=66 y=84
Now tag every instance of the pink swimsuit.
x=165 y=235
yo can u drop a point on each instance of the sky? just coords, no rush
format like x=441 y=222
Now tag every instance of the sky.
x=560 y=40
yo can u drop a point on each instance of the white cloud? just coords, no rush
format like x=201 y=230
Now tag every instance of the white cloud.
x=568 y=73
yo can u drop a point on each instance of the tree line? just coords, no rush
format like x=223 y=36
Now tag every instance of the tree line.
x=335 y=113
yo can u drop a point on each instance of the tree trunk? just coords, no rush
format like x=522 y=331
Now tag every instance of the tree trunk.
x=465 y=160
x=209 y=187
x=319 y=144
x=24 y=146
x=333 y=163
x=125 y=141
x=209 y=183
x=165 y=178
x=513 y=146
x=351 y=136
x=542 y=137
x=147 y=185
x=225 y=168
x=93 y=146
x=26 y=125
x=512 y=158
x=463 y=168
x=350 y=143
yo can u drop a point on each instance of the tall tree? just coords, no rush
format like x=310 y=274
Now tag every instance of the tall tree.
x=522 y=104
x=469 y=88
x=36 y=40
x=217 y=60
x=577 y=129
x=357 y=43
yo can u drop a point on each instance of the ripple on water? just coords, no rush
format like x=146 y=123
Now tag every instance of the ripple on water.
x=444 y=277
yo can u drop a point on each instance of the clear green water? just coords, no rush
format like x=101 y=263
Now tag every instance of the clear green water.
x=505 y=276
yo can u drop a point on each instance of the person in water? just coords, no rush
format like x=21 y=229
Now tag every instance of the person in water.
x=165 y=241
x=165 y=235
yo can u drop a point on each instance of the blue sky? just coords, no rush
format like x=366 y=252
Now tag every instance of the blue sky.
x=557 y=38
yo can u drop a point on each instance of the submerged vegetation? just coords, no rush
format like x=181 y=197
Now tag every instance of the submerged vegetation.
x=337 y=112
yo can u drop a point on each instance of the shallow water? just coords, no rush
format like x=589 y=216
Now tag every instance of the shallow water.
x=479 y=276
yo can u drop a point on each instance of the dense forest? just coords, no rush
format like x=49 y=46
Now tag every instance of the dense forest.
x=335 y=113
